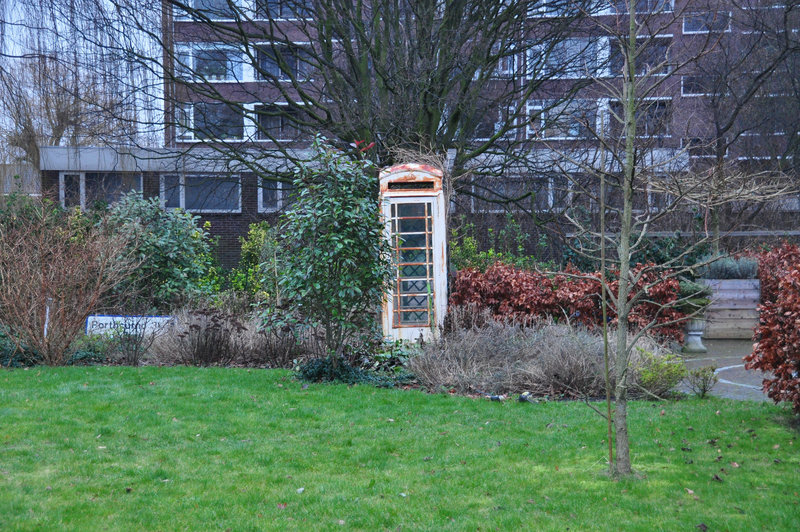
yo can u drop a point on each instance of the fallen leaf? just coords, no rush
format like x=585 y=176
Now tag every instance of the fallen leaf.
x=300 y=490
x=702 y=526
x=663 y=412
x=390 y=420
x=776 y=446
x=281 y=505
x=341 y=521
x=690 y=492
x=128 y=490
x=734 y=464
x=717 y=478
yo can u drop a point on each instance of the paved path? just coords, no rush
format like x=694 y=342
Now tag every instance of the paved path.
x=734 y=381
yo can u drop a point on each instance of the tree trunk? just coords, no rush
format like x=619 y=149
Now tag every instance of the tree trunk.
x=622 y=461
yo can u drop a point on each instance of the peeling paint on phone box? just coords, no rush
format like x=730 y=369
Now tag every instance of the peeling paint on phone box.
x=101 y=324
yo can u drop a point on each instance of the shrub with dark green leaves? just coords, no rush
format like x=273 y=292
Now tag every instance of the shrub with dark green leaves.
x=175 y=252
x=335 y=260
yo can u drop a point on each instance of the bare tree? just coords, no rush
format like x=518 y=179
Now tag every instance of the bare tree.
x=634 y=178
x=61 y=81
x=255 y=81
x=744 y=110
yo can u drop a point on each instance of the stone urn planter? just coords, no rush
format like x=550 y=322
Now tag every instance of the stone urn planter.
x=693 y=342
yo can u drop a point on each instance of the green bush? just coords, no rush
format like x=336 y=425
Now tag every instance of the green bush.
x=702 y=380
x=506 y=245
x=92 y=349
x=727 y=267
x=658 y=375
x=175 y=252
x=257 y=274
x=326 y=370
x=335 y=261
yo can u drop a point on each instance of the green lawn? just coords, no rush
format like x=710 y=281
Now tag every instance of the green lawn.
x=200 y=449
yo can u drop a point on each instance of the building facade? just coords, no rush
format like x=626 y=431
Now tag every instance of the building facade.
x=244 y=92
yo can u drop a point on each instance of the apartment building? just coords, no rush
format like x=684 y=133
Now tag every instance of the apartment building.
x=243 y=95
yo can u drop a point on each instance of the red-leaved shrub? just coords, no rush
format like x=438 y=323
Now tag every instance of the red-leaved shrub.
x=526 y=296
x=778 y=340
x=773 y=266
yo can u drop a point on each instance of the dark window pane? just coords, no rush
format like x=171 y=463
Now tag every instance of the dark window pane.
x=72 y=190
x=218 y=193
x=213 y=64
x=217 y=120
x=215 y=8
x=109 y=187
x=172 y=192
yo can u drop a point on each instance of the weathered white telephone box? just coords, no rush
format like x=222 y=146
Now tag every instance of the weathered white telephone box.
x=414 y=210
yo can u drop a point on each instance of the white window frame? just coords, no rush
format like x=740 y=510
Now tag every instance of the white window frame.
x=612 y=101
x=256 y=15
x=257 y=75
x=649 y=73
x=544 y=107
x=613 y=8
x=179 y=14
x=182 y=193
x=550 y=197
x=82 y=180
x=685 y=94
x=727 y=29
x=598 y=64
x=256 y=127
x=186 y=132
x=235 y=66
x=281 y=199
x=540 y=10
x=686 y=145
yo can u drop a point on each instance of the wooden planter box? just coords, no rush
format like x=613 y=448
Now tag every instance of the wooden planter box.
x=732 y=313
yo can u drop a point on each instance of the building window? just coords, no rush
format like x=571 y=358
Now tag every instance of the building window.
x=491 y=118
x=652 y=60
x=283 y=62
x=202 y=193
x=209 y=120
x=699 y=146
x=575 y=58
x=278 y=122
x=212 y=9
x=549 y=119
x=653 y=118
x=208 y=62
x=644 y=6
x=281 y=9
x=696 y=86
x=273 y=196
x=707 y=22
x=88 y=189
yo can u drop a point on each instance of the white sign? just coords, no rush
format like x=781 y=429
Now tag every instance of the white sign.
x=127 y=324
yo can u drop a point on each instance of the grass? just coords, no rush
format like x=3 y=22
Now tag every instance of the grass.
x=203 y=449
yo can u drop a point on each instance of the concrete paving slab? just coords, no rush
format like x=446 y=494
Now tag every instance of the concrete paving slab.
x=734 y=381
